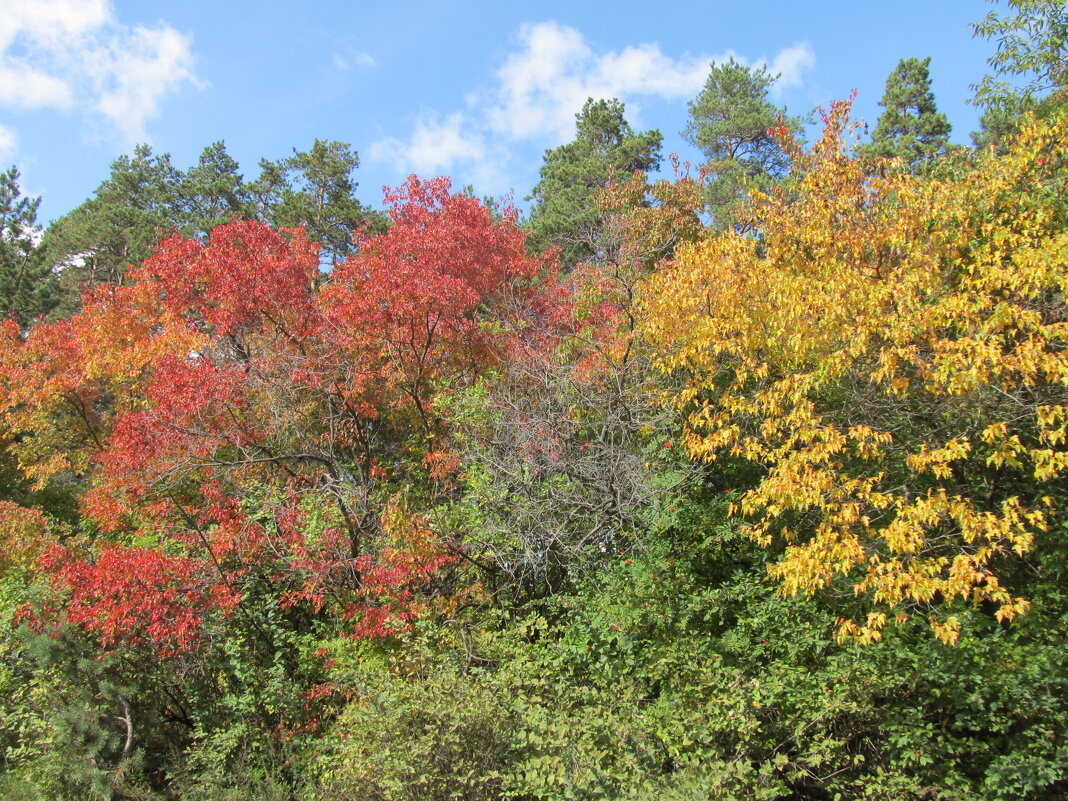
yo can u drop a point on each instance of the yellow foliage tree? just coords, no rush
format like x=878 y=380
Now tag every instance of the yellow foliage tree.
x=892 y=352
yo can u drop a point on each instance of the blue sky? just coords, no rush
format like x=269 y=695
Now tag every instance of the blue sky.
x=474 y=90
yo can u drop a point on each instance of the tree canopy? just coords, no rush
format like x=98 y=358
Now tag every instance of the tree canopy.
x=731 y=121
x=27 y=284
x=605 y=147
x=910 y=128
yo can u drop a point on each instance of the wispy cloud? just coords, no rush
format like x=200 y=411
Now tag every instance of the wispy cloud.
x=75 y=56
x=8 y=141
x=358 y=58
x=543 y=83
x=791 y=65
x=435 y=145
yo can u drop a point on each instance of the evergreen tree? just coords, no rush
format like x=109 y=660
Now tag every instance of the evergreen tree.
x=139 y=204
x=729 y=123
x=565 y=213
x=316 y=189
x=911 y=128
x=213 y=191
x=27 y=285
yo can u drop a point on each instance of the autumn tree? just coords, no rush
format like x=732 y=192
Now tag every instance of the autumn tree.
x=220 y=397
x=256 y=454
x=605 y=147
x=888 y=355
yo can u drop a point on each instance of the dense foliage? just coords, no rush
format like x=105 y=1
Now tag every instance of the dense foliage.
x=771 y=509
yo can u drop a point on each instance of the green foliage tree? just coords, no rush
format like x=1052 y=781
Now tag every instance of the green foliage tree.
x=1032 y=43
x=911 y=128
x=565 y=213
x=315 y=188
x=1000 y=123
x=730 y=123
x=136 y=206
x=213 y=191
x=27 y=285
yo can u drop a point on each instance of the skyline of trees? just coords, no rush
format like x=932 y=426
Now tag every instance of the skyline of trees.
x=765 y=507
x=146 y=198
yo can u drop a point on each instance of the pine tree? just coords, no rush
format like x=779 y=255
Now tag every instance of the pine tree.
x=730 y=122
x=911 y=128
x=138 y=205
x=316 y=189
x=565 y=213
x=27 y=285
x=213 y=191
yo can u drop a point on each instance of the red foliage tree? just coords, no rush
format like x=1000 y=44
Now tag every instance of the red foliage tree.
x=236 y=407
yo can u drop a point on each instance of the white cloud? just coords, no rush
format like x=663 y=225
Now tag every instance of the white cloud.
x=434 y=146
x=51 y=23
x=542 y=85
x=790 y=65
x=358 y=58
x=7 y=143
x=74 y=55
x=131 y=80
x=22 y=86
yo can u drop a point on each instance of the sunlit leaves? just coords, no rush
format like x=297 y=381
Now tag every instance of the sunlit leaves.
x=409 y=308
x=891 y=351
x=227 y=418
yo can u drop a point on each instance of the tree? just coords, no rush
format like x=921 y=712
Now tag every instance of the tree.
x=246 y=439
x=213 y=191
x=889 y=356
x=137 y=206
x=223 y=400
x=911 y=128
x=730 y=123
x=565 y=213
x=411 y=302
x=316 y=189
x=27 y=285
x=1032 y=43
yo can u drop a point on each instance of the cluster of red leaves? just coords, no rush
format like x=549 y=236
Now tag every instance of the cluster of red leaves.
x=391 y=585
x=193 y=408
x=409 y=307
x=208 y=397
x=129 y=595
x=248 y=278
